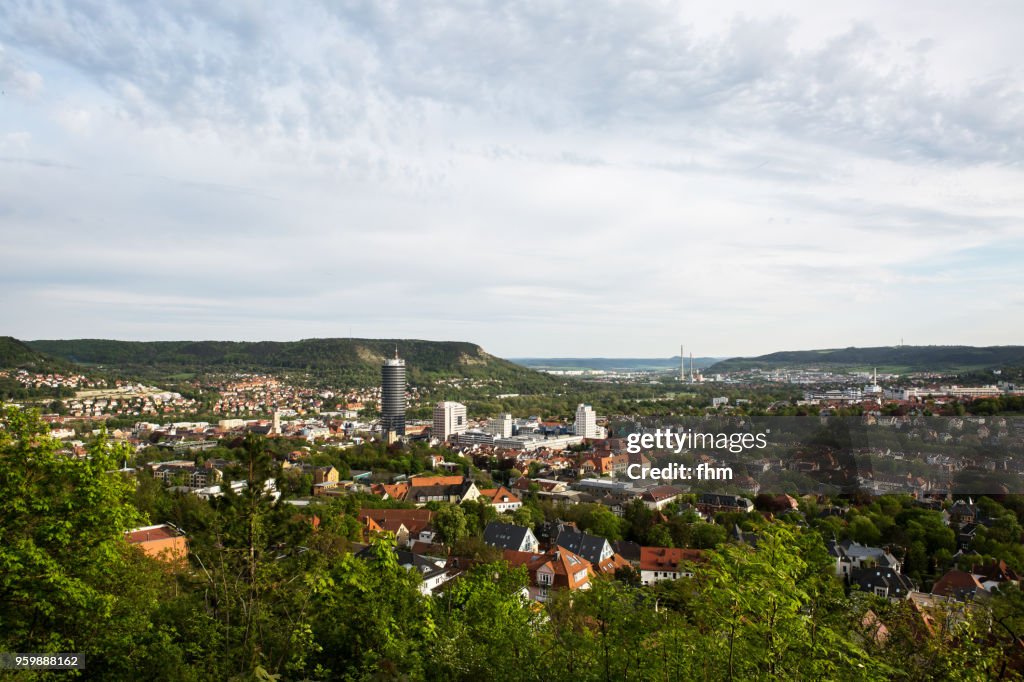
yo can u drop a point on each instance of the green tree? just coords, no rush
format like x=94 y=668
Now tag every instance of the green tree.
x=450 y=522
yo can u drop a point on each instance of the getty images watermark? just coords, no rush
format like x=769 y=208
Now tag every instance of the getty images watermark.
x=667 y=440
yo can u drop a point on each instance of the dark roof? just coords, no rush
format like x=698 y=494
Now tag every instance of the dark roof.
x=722 y=500
x=505 y=535
x=897 y=584
x=578 y=542
x=628 y=550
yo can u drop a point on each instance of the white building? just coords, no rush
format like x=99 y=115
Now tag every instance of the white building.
x=449 y=419
x=586 y=423
x=500 y=426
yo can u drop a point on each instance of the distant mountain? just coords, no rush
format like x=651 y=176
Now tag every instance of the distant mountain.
x=353 y=360
x=888 y=358
x=610 y=364
x=16 y=355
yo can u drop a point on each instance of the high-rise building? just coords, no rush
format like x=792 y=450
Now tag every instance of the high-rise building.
x=586 y=423
x=449 y=419
x=500 y=426
x=392 y=396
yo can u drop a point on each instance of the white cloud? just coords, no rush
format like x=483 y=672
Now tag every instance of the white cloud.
x=559 y=179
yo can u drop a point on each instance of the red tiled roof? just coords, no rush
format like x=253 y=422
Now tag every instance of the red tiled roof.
x=667 y=558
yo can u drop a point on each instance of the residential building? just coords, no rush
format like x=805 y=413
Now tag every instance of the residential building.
x=501 y=498
x=595 y=549
x=556 y=569
x=162 y=541
x=407 y=525
x=665 y=563
x=882 y=581
x=850 y=556
x=510 y=536
x=709 y=503
x=451 y=489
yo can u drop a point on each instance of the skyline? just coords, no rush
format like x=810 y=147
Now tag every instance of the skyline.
x=563 y=182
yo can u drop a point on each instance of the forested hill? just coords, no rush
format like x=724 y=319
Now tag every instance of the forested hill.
x=16 y=355
x=355 y=360
x=889 y=358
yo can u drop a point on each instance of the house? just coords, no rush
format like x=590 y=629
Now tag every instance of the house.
x=434 y=571
x=326 y=474
x=709 y=503
x=407 y=525
x=850 y=555
x=964 y=511
x=660 y=496
x=959 y=585
x=628 y=550
x=663 y=563
x=190 y=475
x=882 y=581
x=384 y=491
x=163 y=541
x=965 y=537
x=501 y=498
x=995 y=574
x=595 y=549
x=453 y=493
x=510 y=536
x=556 y=569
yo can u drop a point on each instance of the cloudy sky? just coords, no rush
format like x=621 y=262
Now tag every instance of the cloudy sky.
x=573 y=178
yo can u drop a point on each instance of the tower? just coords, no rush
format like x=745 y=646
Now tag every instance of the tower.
x=682 y=364
x=392 y=396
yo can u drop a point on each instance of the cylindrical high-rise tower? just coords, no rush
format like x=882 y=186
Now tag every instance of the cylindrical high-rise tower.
x=392 y=396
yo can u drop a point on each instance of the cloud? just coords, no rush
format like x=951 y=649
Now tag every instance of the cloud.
x=520 y=173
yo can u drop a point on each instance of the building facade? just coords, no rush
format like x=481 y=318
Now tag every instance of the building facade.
x=392 y=396
x=449 y=419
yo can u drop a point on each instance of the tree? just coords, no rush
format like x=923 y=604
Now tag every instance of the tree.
x=68 y=579
x=450 y=523
x=603 y=522
x=479 y=615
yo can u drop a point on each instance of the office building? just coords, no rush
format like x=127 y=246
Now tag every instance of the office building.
x=449 y=419
x=392 y=396
x=500 y=426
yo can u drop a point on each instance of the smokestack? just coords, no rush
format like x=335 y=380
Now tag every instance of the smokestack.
x=691 y=367
x=682 y=364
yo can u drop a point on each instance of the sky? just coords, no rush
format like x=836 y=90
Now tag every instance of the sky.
x=541 y=178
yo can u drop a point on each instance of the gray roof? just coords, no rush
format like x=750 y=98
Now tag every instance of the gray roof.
x=868 y=579
x=584 y=544
x=505 y=535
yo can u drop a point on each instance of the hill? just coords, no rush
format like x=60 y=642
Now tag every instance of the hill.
x=355 y=361
x=887 y=358
x=614 y=364
x=16 y=355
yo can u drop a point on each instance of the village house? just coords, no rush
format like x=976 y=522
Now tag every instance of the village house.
x=664 y=563
x=510 y=536
x=162 y=541
x=501 y=498
x=556 y=569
